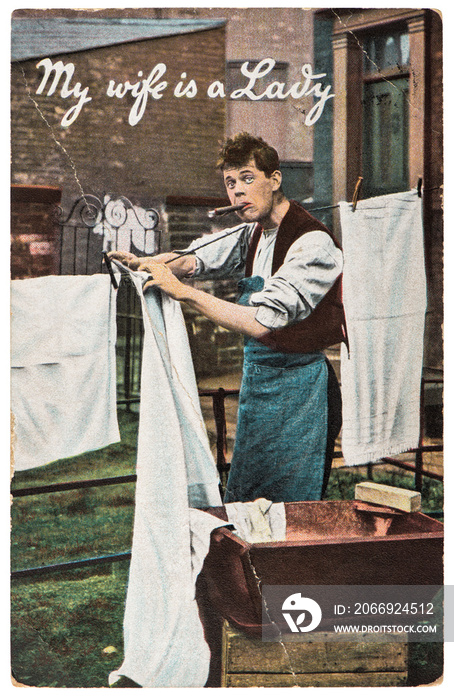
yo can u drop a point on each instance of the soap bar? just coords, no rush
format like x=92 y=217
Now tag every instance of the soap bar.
x=392 y=496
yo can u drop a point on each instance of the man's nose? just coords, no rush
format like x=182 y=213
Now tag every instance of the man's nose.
x=239 y=189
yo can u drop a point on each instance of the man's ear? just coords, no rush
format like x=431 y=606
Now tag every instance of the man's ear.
x=276 y=177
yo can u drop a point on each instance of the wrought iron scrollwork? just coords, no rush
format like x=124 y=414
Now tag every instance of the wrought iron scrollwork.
x=91 y=211
x=116 y=213
x=57 y=214
x=112 y=224
x=88 y=209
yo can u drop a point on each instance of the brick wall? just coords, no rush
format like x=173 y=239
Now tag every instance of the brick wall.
x=35 y=239
x=282 y=33
x=173 y=148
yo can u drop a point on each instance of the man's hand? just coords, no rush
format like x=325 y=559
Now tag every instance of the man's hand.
x=183 y=267
x=133 y=262
x=163 y=278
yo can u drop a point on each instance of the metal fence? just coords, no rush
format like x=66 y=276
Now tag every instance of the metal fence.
x=91 y=227
x=115 y=223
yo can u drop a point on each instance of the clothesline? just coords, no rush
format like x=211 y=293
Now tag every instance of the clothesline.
x=224 y=235
x=336 y=206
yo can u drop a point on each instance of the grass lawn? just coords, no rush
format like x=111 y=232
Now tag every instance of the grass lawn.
x=60 y=629
x=67 y=628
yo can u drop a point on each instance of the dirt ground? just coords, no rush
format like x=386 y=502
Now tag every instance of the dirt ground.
x=432 y=461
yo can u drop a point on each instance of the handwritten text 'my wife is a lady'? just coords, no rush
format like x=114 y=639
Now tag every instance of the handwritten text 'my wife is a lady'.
x=153 y=87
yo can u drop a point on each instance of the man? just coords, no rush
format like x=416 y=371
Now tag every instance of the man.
x=288 y=266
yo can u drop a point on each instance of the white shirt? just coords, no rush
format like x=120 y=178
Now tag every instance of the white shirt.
x=310 y=268
x=263 y=259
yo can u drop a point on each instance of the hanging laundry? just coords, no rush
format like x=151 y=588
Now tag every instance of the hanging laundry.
x=384 y=291
x=63 y=376
x=176 y=474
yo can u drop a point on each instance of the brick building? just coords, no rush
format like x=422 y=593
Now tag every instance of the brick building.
x=35 y=239
x=171 y=148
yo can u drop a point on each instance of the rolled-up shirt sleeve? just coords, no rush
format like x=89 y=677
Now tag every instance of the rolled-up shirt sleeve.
x=311 y=266
x=224 y=256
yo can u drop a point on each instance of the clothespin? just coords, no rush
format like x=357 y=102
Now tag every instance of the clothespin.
x=109 y=269
x=420 y=187
x=359 y=182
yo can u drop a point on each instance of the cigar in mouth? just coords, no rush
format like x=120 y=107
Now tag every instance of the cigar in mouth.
x=225 y=210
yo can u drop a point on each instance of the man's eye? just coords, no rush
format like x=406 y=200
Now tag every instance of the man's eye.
x=230 y=184
x=248 y=179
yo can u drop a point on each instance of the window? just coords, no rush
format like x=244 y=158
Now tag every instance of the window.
x=386 y=51
x=385 y=112
x=297 y=179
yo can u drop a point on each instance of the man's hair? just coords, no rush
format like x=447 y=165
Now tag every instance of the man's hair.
x=239 y=150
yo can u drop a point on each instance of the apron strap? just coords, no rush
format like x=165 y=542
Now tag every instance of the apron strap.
x=252 y=249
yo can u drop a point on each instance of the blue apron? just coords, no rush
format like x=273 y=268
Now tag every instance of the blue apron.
x=281 y=436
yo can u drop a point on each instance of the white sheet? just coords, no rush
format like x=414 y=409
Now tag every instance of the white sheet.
x=164 y=642
x=258 y=521
x=384 y=291
x=63 y=376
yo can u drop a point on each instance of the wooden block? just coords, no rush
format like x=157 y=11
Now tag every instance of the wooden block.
x=359 y=660
x=315 y=680
x=392 y=496
x=325 y=654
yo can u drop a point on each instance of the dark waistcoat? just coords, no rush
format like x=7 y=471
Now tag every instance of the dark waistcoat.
x=325 y=326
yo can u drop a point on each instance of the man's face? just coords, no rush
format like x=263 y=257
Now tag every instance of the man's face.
x=251 y=186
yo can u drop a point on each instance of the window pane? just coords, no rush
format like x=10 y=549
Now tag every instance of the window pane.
x=385 y=51
x=390 y=57
x=385 y=140
x=405 y=49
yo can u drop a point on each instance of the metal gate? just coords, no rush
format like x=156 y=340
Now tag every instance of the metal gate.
x=91 y=227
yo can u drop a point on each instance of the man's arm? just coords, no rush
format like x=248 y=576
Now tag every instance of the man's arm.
x=183 y=267
x=311 y=266
x=231 y=316
x=222 y=255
